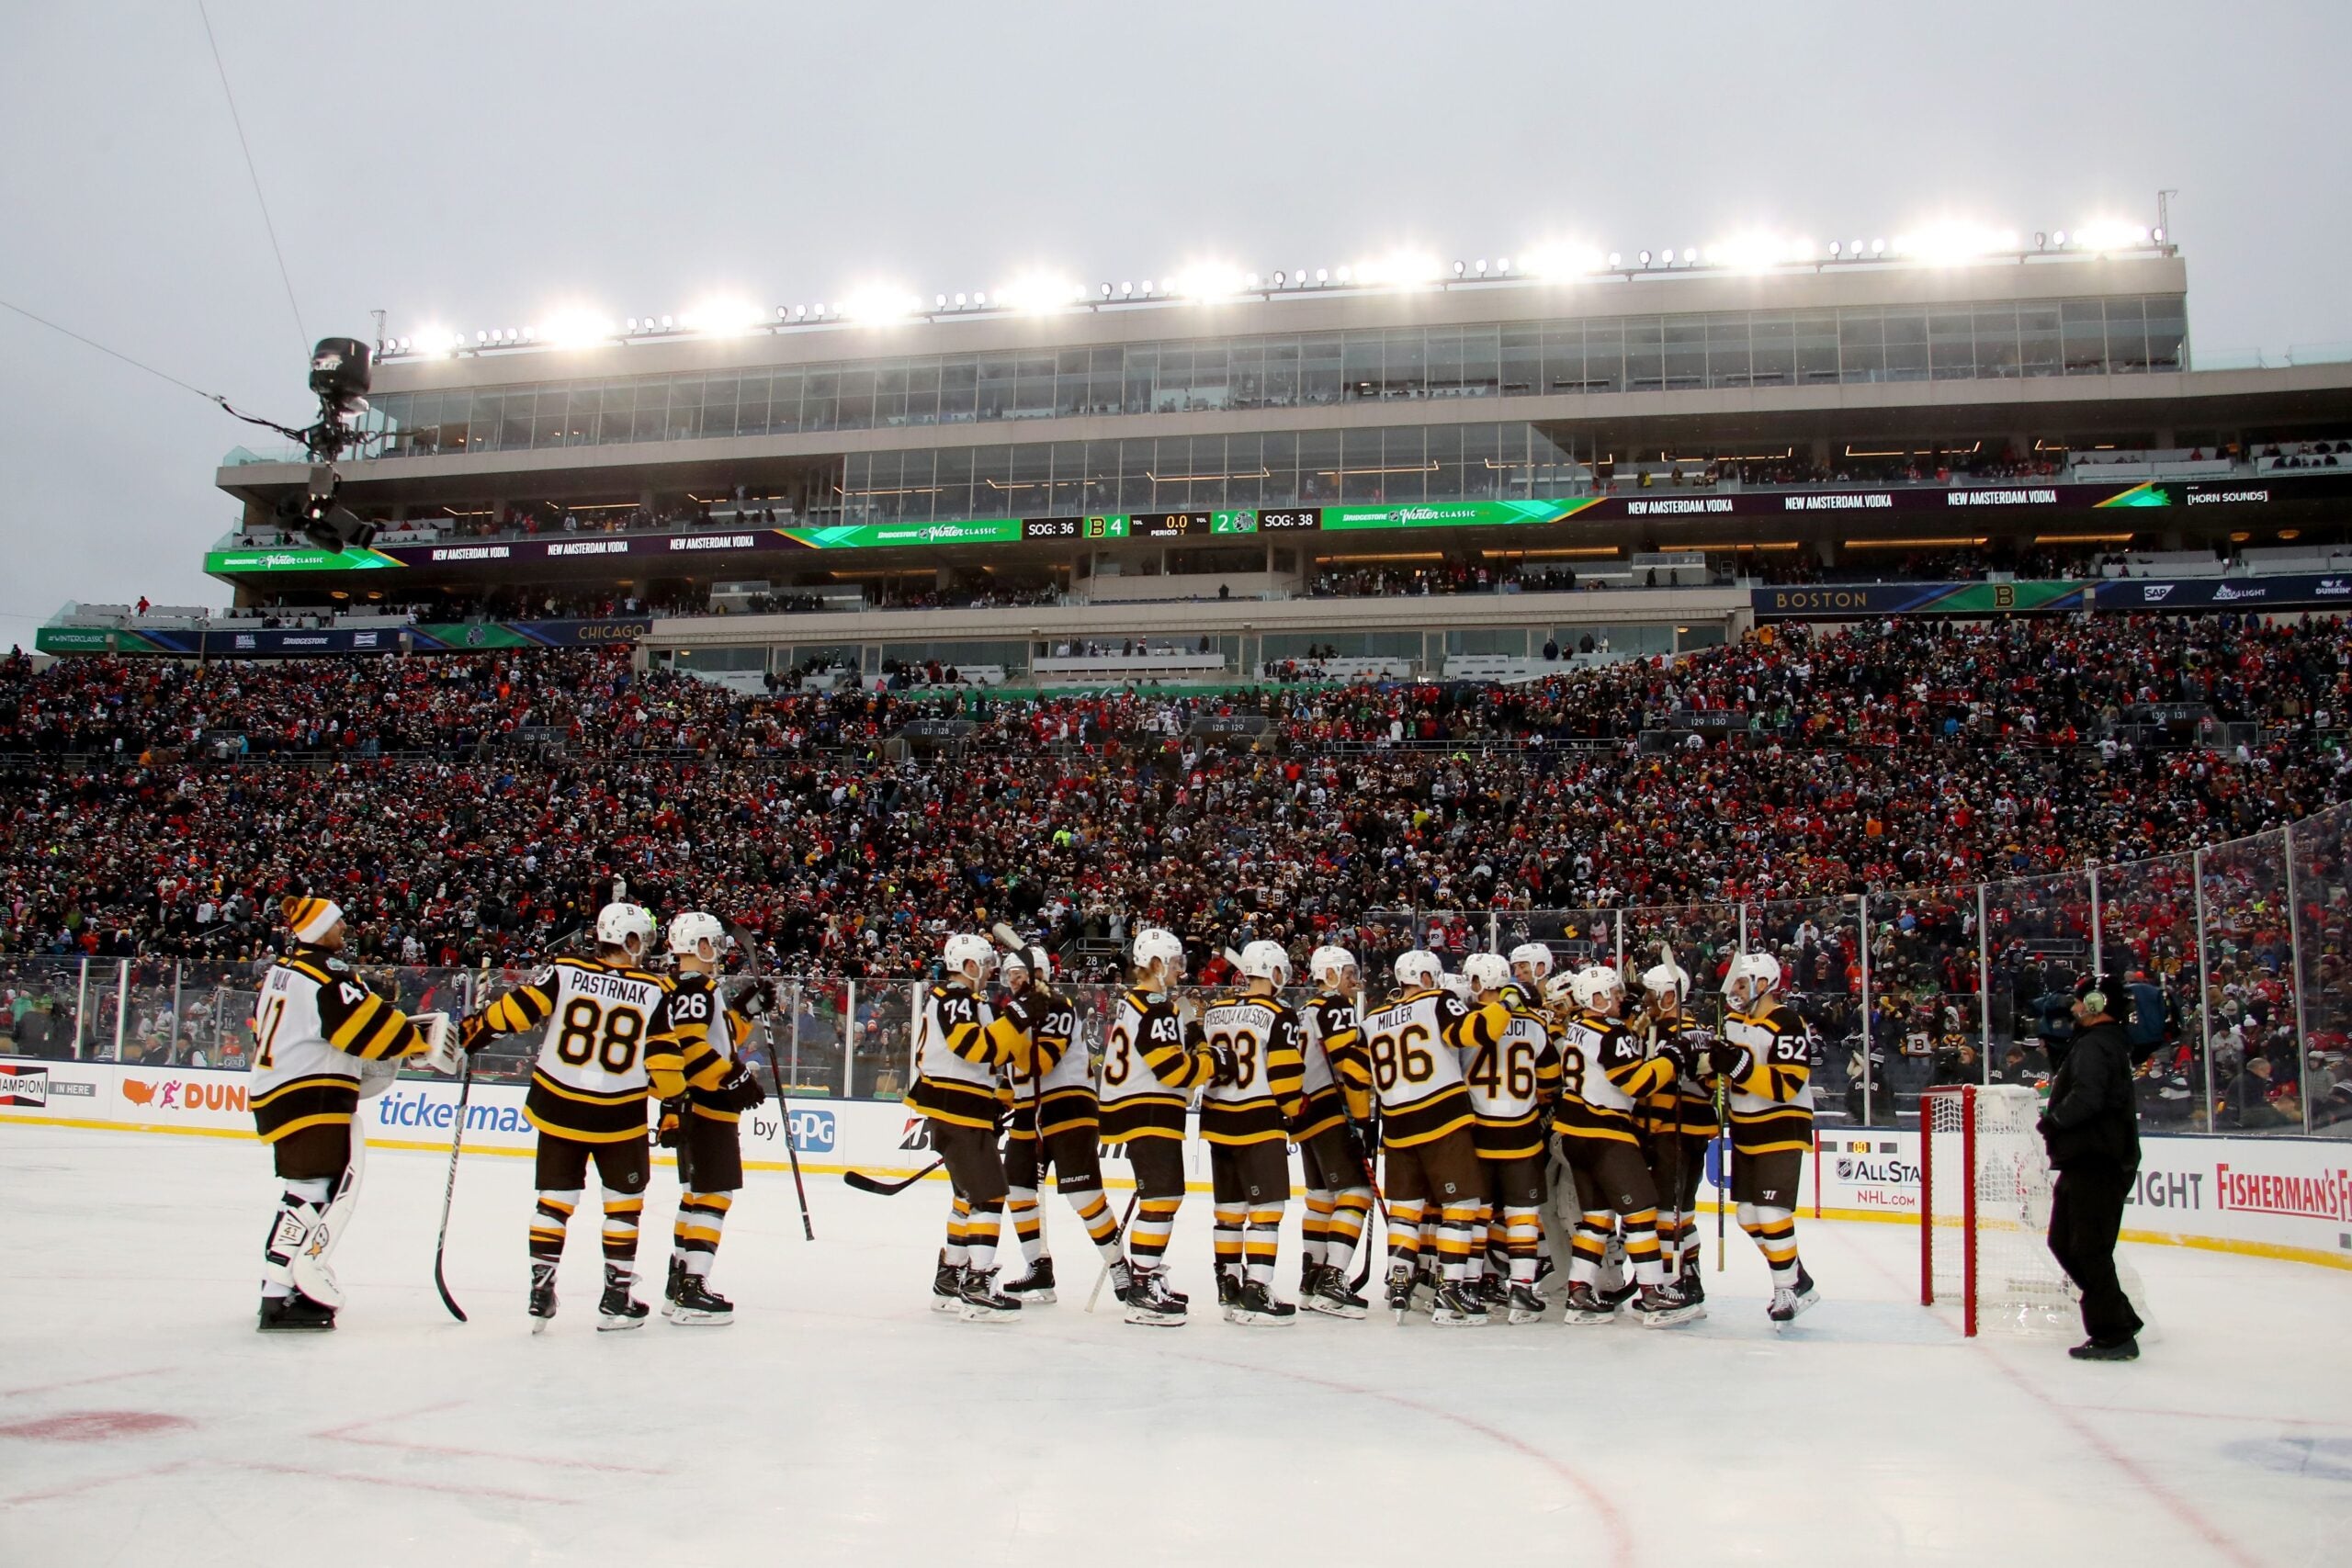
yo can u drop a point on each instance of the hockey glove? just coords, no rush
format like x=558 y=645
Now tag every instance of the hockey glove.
x=756 y=1000
x=1677 y=1054
x=672 y=1133
x=1728 y=1059
x=1359 y=1147
x=741 y=1089
x=473 y=1032
x=1228 y=1068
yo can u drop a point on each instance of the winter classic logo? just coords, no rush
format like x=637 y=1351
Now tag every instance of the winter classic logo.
x=24 y=1086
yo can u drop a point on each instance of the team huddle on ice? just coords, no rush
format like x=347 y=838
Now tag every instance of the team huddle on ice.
x=1475 y=1090
x=1491 y=1098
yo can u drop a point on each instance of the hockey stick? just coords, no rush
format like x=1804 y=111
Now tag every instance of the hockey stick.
x=1363 y=1244
x=776 y=1077
x=881 y=1189
x=1104 y=1277
x=450 y=1188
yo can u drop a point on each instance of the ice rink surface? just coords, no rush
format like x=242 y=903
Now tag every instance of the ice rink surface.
x=841 y=1421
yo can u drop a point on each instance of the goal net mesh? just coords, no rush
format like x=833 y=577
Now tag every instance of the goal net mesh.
x=1990 y=1256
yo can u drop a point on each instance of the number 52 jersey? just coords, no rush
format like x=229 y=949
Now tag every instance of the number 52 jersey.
x=608 y=1043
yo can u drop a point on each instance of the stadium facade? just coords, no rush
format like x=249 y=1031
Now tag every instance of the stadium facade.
x=1181 y=473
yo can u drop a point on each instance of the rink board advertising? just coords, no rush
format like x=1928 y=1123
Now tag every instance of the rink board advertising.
x=2284 y=1197
x=1915 y=502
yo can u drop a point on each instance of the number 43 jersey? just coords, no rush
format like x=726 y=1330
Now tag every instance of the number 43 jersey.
x=608 y=1043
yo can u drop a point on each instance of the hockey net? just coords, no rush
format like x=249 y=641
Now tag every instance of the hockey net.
x=1985 y=1192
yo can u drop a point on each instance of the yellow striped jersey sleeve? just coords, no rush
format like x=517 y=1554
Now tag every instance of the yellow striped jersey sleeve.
x=360 y=1023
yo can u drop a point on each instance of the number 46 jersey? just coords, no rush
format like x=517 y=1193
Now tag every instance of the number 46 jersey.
x=1513 y=1081
x=608 y=1043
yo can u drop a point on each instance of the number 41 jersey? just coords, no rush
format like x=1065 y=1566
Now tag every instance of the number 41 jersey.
x=607 y=1044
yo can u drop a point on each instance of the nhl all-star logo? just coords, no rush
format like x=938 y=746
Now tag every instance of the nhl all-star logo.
x=1845 y=1170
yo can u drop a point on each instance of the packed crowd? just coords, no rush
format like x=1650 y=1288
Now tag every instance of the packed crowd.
x=1915 y=756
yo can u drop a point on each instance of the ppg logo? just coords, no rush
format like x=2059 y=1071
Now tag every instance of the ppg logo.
x=812 y=1131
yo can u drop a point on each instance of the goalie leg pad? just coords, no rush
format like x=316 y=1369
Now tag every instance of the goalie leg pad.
x=289 y=1231
x=313 y=1268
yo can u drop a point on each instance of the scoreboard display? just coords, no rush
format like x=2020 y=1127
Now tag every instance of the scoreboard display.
x=1173 y=524
x=1052 y=527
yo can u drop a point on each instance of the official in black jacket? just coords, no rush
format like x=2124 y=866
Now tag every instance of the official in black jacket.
x=2093 y=1133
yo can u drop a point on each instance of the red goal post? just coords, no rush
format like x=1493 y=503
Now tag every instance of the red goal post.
x=1985 y=1192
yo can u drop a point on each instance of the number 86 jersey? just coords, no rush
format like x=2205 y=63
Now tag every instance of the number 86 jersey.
x=1411 y=1060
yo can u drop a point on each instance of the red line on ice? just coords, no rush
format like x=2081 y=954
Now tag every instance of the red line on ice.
x=454 y=1488
x=347 y=1433
x=91 y=1484
x=2249 y=1419
x=2166 y=1498
x=78 y=1382
x=1621 y=1540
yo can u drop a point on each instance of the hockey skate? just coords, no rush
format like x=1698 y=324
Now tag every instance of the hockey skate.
x=1036 y=1287
x=1691 y=1281
x=1788 y=1303
x=1122 y=1279
x=1332 y=1297
x=542 y=1304
x=1659 y=1306
x=297 y=1314
x=1228 y=1293
x=1400 y=1289
x=1455 y=1307
x=1525 y=1304
x=1258 y=1307
x=696 y=1302
x=1150 y=1304
x=1585 y=1309
x=948 y=1285
x=982 y=1302
x=617 y=1309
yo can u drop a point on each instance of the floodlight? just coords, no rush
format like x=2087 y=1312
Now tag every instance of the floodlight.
x=1644 y=259
x=1503 y=265
x=2059 y=239
x=1322 y=275
x=1834 y=249
x=1281 y=277
x=1482 y=267
x=1878 y=247
x=1689 y=256
x=1616 y=258
x=1459 y=269
x=2156 y=234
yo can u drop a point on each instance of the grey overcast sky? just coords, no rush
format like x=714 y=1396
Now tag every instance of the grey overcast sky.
x=481 y=164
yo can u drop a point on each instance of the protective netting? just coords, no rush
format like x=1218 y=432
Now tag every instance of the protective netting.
x=1985 y=1196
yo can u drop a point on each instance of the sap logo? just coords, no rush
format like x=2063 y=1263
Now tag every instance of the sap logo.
x=2156 y=592
x=812 y=1131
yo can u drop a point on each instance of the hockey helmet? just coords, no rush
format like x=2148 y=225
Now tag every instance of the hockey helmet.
x=1760 y=973
x=965 y=952
x=690 y=930
x=1487 y=971
x=1329 y=965
x=1266 y=961
x=627 y=926
x=1419 y=967
x=1029 y=961
x=1155 y=944
x=1536 y=958
x=1596 y=986
x=1666 y=978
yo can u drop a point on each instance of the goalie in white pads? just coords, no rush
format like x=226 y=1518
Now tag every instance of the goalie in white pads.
x=317 y=1030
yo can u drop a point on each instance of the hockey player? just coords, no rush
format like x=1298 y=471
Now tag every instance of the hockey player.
x=1067 y=1123
x=1152 y=1062
x=963 y=1051
x=605 y=1048
x=1531 y=965
x=1513 y=1082
x=1411 y=1066
x=316 y=1027
x=1331 y=1147
x=1679 y=1120
x=1766 y=1057
x=1605 y=1075
x=1246 y=1115
x=708 y=1030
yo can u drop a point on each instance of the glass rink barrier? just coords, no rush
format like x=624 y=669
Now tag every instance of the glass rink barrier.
x=2227 y=967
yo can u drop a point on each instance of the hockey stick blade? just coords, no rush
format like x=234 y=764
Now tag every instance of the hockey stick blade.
x=880 y=1189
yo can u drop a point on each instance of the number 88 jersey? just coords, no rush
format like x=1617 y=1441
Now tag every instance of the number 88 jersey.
x=605 y=1048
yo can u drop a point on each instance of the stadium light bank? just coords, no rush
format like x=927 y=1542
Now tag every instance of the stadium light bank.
x=1543 y=265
